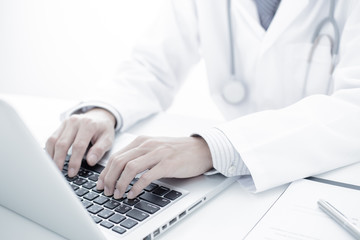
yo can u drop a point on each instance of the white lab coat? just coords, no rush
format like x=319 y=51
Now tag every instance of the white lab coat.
x=281 y=134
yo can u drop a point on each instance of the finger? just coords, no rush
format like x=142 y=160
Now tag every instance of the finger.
x=79 y=146
x=63 y=144
x=135 y=143
x=100 y=181
x=148 y=177
x=50 y=143
x=131 y=169
x=117 y=166
x=96 y=152
x=100 y=147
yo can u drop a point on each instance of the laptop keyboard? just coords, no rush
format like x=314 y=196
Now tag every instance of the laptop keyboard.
x=119 y=215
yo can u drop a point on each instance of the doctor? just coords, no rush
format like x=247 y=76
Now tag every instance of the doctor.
x=286 y=75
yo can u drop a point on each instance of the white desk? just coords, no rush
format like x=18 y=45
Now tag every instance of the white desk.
x=230 y=215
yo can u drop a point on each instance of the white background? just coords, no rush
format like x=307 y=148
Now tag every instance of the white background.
x=58 y=48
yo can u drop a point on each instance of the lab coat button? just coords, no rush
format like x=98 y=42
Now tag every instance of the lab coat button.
x=231 y=170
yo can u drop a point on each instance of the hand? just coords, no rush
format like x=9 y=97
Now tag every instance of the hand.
x=95 y=126
x=164 y=157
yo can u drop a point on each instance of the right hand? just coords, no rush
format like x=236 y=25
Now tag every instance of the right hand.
x=79 y=130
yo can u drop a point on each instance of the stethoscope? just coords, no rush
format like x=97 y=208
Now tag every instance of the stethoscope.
x=234 y=91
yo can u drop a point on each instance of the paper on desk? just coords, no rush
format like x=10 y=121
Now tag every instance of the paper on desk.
x=348 y=174
x=296 y=214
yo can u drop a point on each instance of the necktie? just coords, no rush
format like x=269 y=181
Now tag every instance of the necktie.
x=266 y=10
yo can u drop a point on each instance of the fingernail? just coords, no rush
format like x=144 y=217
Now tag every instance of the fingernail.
x=92 y=159
x=130 y=195
x=106 y=191
x=117 y=194
x=100 y=184
x=71 y=172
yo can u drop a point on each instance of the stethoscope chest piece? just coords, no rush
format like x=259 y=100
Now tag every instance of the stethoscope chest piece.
x=234 y=92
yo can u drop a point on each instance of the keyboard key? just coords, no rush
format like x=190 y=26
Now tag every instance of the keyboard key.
x=74 y=187
x=101 y=200
x=137 y=214
x=96 y=218
x=85 y=173
x=106 y=213
x=161 y=191
x=147 y=207
x=128 y=223
x=119 y=229
x=80 y=181
x=173 y=195
x=97 y=191
x=112 y=204
x=91 y=196
x=108 y=196
x=89 y=185
x=81 y=192
x=97 y=168
x=94 y=209
x=131 y=202
x=117 y=218
x=106 y=224
x=123 y=209
x=69 y=179
x=151 y=187
x=86 y=203
x=160 y=201
x=94 y=177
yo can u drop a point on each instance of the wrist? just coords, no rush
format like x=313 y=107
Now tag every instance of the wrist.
x=203 y=145
x=105 y=114
x=85 y=107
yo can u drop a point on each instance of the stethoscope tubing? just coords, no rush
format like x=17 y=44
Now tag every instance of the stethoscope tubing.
x=231 y=39
x=317 y=36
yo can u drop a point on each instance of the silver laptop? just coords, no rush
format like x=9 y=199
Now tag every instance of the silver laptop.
x=32 y=186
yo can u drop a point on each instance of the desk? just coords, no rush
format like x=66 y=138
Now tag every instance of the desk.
x=230 y=215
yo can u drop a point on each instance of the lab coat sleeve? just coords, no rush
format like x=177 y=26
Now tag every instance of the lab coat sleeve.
x=317 y=134
x=147 y=83
x=225 y=158
x=83 y=107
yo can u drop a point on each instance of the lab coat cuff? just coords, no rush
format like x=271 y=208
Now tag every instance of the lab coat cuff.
x=212 y=171
x=84 y=107
x=225 y=158
x=247 y=182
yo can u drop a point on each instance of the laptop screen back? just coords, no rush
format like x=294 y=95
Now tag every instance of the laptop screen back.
x=33 y=187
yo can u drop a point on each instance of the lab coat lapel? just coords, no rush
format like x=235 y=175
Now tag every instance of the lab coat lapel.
x=253 y=23
x=287 y=12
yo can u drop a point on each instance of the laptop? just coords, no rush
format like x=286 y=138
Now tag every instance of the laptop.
x=32 y=186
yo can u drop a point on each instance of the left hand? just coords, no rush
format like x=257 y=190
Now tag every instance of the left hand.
x=163 y=156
